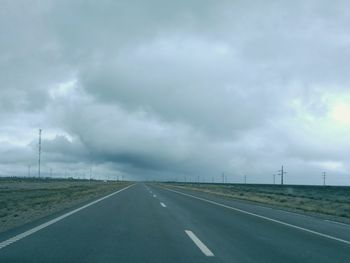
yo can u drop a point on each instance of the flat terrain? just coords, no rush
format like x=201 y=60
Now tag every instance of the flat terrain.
x=153 y=223
x=330 y=201
x=25 y=200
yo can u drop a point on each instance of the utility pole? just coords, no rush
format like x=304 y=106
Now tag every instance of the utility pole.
x=245 y=179
x=223 y=178
x=274 y=178
x=50 y=172
x=282 y=173
x=39 y=161
x=29 y=170
x=90 y=173
x=324 y=178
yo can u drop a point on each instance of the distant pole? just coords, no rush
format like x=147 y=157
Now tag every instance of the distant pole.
x=324 y=178
x=39 y=160
x=245 y=179
x=90 y=173
x=50 y=172
x=282 y=173
x=274 y=179
x=198 y=178
x=29 y=170
x=223 y=178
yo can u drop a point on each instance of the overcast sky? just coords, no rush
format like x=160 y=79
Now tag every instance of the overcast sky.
x=176 y=89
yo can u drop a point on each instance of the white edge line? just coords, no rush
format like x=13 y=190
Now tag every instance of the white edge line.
x=206 y=251
x=264 y=217
x=162 y=204
x=55 y=220
x=338 y=223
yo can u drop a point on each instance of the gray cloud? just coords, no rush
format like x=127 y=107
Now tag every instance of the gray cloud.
x=171 y=89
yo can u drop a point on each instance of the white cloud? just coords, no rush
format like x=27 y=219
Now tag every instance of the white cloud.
x=63 y=89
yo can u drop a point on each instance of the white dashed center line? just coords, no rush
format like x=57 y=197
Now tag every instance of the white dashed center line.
x=206 y=251
x=263 y=217
x=162 y=204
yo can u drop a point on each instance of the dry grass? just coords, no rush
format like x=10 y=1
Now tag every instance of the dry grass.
x=25 y=200
x=331 y=201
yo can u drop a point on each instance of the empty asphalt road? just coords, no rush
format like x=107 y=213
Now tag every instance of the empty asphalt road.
x=149 y=223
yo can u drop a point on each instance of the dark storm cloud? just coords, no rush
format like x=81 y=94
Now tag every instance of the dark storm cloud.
x=157 y=89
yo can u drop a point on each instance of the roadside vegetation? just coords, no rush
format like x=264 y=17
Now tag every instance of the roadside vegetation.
x=327 y=201
x=26 y=200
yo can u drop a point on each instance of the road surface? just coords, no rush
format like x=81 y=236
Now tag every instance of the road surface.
x=148 y=223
